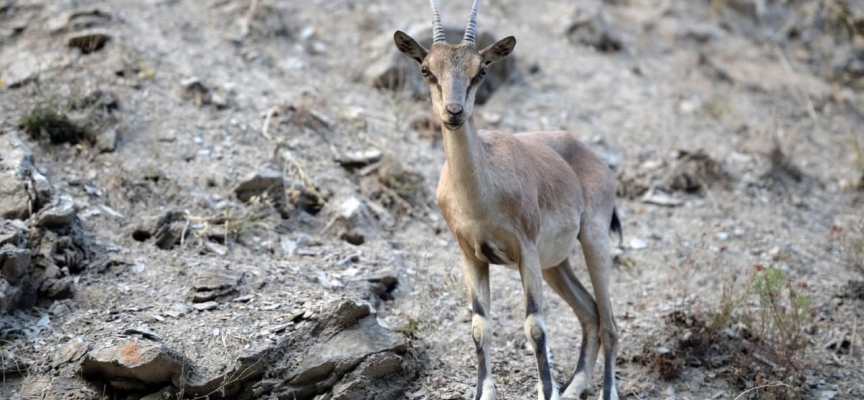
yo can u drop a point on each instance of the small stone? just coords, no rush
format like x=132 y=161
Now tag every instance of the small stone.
x=107 y=141
x=210 y=305
x=255 y=184
x=215 y=285
x=350 y=207
x=637 y=243
x=360 y=158
x=661 y=199
x=216 y=248
x=828 y=394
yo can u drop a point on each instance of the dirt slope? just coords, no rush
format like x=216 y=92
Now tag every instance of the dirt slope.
x=205 y=167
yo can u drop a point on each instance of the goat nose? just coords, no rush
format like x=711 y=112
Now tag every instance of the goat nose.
x=454 y=109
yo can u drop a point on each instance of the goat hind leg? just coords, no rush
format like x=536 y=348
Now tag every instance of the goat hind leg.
x=564 y=282
x=595 y=245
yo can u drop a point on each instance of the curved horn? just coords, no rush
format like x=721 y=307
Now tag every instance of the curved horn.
x=437 y=30
x=471 y=30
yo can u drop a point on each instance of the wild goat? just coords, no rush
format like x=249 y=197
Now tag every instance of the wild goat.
x=520 y=200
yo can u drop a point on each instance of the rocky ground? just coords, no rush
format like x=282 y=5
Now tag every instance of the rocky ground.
x=234 y=199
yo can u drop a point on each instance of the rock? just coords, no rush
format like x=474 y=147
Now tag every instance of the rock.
x=195 y=91
x=87 y=19
x=57 y=288
x=394 y=71
x=41 y=191
x=589 y=28
x=60 y=213
x=661 y=199
x=268 y=180
x=207 y=306
x=15 y=264
x=637 y=243
x=178 y=310
x=12 y=234
x=107 y=140
x=356 y=159
x=16 y=164
x=350 y=208
x=220 y=285
x=10 y=296
x=72 y=351
x=168 y=232
x=215 y=248
x=137 y=366
x=88 y=41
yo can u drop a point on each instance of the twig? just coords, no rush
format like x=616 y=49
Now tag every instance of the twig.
x=770 y=385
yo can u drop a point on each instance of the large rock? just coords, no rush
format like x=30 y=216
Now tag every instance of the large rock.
x=391 y=69
x=137 y=365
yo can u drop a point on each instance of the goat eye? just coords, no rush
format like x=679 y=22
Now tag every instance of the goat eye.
x=483 y=72
x=424 y=71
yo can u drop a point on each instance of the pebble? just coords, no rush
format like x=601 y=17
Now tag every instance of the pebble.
x=637 y=243
x=210 y=305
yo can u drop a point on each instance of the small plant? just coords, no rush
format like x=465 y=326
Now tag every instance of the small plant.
x=756 y=331
x=783 y=315
x=46 y=123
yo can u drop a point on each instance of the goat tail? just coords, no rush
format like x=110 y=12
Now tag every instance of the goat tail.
x=616 y=227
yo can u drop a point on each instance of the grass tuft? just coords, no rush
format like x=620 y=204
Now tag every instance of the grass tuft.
x=46 y=123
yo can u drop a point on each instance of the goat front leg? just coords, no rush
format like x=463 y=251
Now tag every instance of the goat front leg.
x=476 y=275
x=535 y=326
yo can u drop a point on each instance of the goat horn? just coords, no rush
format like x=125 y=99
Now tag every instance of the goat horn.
x=471 y=30
x=437 y=30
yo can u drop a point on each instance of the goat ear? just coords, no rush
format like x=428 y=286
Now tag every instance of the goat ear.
x=410 y=47
x=498 y=51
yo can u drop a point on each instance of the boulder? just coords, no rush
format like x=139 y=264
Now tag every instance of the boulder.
x=394 y=71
